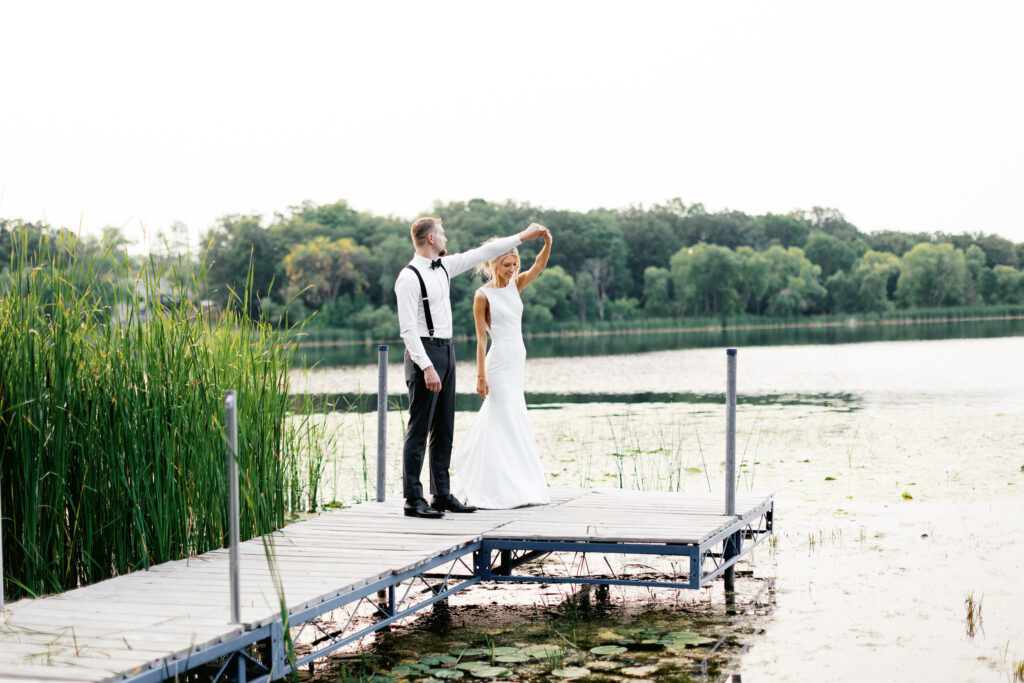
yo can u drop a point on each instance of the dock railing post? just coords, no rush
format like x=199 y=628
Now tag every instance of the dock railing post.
x=382 y=419
x=730 y=457
x=231 y=426
x=1 y=556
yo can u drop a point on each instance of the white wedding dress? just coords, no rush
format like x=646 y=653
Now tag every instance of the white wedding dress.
x=497 y=461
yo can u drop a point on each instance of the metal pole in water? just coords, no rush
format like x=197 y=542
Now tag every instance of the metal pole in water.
x=382 y=419
x=730 y=456
x=231 y=426
x=730 y=432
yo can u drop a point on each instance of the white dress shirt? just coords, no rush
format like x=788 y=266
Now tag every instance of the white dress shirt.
x=411 y=320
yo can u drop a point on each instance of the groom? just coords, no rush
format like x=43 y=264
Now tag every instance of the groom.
x=425 y=319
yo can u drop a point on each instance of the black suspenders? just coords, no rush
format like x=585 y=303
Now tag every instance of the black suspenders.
x=426 y=302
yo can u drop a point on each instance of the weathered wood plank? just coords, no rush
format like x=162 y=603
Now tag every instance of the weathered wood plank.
x=182 y=606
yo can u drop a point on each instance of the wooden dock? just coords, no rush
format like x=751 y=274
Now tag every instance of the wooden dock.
x=152 y=625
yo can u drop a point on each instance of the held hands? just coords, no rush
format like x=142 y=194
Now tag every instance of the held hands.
x=431 y=379
x=533 y=231
x=481 y=386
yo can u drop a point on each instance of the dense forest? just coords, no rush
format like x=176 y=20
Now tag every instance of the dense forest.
x=334 y=267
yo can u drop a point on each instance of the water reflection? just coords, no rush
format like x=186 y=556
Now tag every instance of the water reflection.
x=627 y=342
x=367 y=403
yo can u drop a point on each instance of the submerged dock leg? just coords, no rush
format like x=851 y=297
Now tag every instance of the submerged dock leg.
x=730 y=460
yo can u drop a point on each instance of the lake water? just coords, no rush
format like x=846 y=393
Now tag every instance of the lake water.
x=897 y=467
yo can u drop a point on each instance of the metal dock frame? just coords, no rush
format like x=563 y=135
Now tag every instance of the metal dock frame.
x=708 y=558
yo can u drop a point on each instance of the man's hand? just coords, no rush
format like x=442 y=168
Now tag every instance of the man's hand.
x=532 y=232
x=431 y=379
x=481 y=387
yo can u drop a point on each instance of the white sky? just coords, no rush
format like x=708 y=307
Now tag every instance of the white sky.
x=903 y=115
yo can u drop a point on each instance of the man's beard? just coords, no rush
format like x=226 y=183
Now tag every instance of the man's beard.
x=443 y=252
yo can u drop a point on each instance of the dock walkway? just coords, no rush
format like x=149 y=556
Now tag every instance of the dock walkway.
x=155 y=624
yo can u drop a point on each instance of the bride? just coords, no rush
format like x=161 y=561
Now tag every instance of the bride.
x=497 y=461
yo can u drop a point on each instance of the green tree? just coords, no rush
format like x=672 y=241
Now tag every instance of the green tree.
x=832 y=222
x=932 y=275
x=895 y=242
x=829 y=252
x=234 y=246
x=752 y=284
x=1009 y=285
x=547 y=298
x=788 y=230
x=842 y=293
x=651 y=237
x=657 y=292
x=875 y=276
x=705 y=278
x=323 y=269
x=998 y=251
x=624 y=308
x=793 y=282
x=584 y=295
x=727 y=228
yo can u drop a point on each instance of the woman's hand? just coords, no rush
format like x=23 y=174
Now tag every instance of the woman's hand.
x=547 y=236
x=481 y=386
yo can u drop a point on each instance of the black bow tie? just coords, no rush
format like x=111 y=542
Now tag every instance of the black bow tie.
x=436 y=263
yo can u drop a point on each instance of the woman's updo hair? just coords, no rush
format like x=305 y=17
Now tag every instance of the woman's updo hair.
x=487 y=269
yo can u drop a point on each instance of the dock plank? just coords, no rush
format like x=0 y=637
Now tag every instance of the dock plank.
x=135 y=621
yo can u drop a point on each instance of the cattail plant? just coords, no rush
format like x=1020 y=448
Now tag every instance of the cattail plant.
x=111 y=407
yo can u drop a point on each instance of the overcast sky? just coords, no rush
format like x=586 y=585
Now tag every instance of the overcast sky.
x=902 y=115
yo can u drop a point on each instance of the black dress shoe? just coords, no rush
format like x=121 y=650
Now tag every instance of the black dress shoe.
x=450 y=503
x=419 y=508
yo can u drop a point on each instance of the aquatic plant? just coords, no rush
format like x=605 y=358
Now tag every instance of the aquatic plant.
x=112 y=380
x=972 y=619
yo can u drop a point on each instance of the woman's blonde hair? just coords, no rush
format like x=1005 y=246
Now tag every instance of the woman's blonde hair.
x=487 y=269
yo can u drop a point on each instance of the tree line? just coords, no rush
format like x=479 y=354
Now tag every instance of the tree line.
x=334 y=267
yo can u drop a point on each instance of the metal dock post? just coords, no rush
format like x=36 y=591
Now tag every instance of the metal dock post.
x=382 y=419
x=730 y=459
x=1 y=557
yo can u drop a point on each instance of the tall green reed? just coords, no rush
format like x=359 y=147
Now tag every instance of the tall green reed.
x=111 y=405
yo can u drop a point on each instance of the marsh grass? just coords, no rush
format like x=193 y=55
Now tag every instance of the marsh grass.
x=112 y=453
x=972 y=619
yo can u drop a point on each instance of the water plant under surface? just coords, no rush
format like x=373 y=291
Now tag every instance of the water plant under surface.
x=112 y=454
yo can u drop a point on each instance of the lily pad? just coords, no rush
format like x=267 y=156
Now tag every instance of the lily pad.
x=570 y=672
x=686 y=639
x=542 y=651
x=605 y=664
x=472 y=652
x=489 y=671
x=434 y=660
x=607 y=650
x=514 y=658
x=503 y=651
x=419 y=667
x=446 y=673
x=401 y=670
x=640 y=671
x=470 y=666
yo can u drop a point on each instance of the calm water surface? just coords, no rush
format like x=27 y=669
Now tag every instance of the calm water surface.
x=897 y=469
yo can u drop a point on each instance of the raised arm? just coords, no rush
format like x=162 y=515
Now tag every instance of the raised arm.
x=461 y=262
x=538 y=265
x=480 y=307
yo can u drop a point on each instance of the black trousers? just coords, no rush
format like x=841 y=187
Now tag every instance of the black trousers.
x=431 y=419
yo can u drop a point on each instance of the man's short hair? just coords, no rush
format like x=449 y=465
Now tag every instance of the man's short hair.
x=422 y=227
